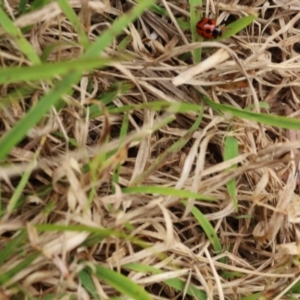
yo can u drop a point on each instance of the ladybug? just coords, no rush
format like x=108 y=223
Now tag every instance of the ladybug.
x=208 y=28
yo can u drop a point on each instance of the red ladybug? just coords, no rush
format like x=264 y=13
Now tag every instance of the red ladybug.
x=208 y=28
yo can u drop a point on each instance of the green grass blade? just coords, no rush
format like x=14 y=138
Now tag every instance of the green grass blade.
x=179 y=107
x=174 y=148
x=208 y=229
x=50 y=70
x=15 y=33
x=13 y=246
x=116 y=90
x=73 y=18
x=9 y=140
x=22 y=6
x=167 y=191
x=12 y=137
x=13 y=202
x=157 y=9
x=237 y=26
x=88 y=283
x=196 y=14
x=231 y=150
x=256 y=296
x=174 y=283
x=4 y=278
x=108 y=36
x=277 y=121
x=121 y=283
x=123 y=133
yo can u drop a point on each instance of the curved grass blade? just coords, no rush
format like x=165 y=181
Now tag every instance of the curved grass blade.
x=208 y=229
x=12 y=137
x=237 y=26
x=231 y=150
x=4 y=278
x=73 y=18
x=50 y=70
x=174 y=283
x=18 y=37
x=121 y=283
x=88 y=283
x=273 y=120
x=16 y=134
x=13 y=246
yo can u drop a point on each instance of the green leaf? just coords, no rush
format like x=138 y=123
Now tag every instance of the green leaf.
x=5 y=277
x=88 y=284
x=174 y=148
x=273 y=120
x=231 y=150
x=50 y=70
x=256 y=296
x=196 y=15
x=174 y=283
x=237 y=26
x=168 y=191
x=208 y=229
x=121 y=283
x=12 y=137
x=12 y=246
x=15 y=135
x=73 y=18
x=15 y=33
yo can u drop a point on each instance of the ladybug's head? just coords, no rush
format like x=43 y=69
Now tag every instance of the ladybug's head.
x=217 y=32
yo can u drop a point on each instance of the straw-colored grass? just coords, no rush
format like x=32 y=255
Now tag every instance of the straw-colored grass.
x=141 y=162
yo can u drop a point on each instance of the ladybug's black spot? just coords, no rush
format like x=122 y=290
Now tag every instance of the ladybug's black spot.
x=208 y=31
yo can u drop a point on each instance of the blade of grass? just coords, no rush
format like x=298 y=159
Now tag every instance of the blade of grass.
x=101 y=233
x=123 y=134
x=101 y=162
x=174 y=283
x=237 y=26
x=1 y=202
x=88 y=283
x=121 y=283
x=50 y=70
x=73 y=18
x=157 y=9
x=4 y=278
x=13 y=246
x=22 y=6
x=9 y=140
x=195 y=16
x=12 y=137
x=109 y=35
x=168 y=191
x=15 y=33
x=16 y=95
x=231 y=150
x=178 y=107
x=36 y=4
x=53 y=46
x=24 y=180
x=277 y=121
x=208 y=229
x=173 y=149
x=256 y=296
x=119 y=89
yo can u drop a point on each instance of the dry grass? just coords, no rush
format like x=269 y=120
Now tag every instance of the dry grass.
x=77 y=163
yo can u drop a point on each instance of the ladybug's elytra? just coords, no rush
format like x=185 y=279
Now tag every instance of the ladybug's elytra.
x=208 y=28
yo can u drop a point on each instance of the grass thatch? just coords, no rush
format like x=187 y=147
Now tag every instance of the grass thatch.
x=139 y=161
